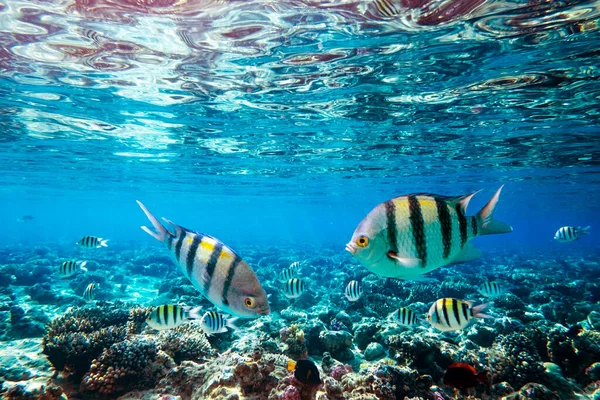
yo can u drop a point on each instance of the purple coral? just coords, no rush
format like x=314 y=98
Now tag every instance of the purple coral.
x=340 y=370
x=290 y=393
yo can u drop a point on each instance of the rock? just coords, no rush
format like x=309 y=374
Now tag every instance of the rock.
x=593 y=371
x=42 y=293
x=482 y=335
x=344 y=318
x=536 y=391
x=374 y=351
x=363 y=335
x=337 y=343
x=16 y=313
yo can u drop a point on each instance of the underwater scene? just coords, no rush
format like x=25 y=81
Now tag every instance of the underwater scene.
x=300 y=199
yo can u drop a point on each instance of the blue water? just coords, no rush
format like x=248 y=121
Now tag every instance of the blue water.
x=281 y=124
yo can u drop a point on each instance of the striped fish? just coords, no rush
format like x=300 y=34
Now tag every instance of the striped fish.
x=295 y=266
x=287 y=274
x=454 y=314
x=92 y=242
x=71 y=267
x=171 y=316
x=570 y=233
x=89 y=294
x=212 y=322
x=387 y=8
x=213 y=268
x=405 y=317
x=353 y=290
x=294 y=288
x=491 y=289
x=411 y=235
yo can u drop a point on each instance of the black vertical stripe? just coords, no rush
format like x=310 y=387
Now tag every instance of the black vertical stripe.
x=180 y=312
x=175 y=309
x=191 y=256
x=445 y=225
x=437 y=314
x=445 y=312
x=178 y=245
x=404 y=317
x=474 y=226
x=229 y=279
x=166 y=314
x=418 y=228
x=462 y=222
x=158 y=314
x=212 y=264
x=455 y=311
x=169 y=241
x=392 y=233
x=465 y=308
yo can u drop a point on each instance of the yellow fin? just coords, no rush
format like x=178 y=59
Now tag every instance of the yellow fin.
x=291 y=365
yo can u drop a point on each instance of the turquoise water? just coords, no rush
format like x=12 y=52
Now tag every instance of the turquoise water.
x=277 y=126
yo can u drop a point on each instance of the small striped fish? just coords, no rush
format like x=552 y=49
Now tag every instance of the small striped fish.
x=171 y=316
x=91 y=242
x=295 y=266
x=405 y=317
x=353 y=290
x=71 y=267
x=213 y=268
x=411 y=235
x=287 y=274
x=386 y=8
x=212 y=322
x=569 y=233
x=294 y=288
x=454 y=314
x=90 y=292
x=491 y=289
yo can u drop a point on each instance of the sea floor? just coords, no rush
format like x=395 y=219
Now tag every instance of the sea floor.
x=543 y=341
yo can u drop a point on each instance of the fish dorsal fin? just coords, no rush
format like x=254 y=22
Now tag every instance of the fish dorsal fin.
x=464 y=201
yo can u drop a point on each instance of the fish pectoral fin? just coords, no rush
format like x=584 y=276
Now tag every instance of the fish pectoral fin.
x=405 y=262
x=469 y=253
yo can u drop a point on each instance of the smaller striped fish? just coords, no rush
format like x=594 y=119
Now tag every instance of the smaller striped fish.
x=386 y=8
x=295 y=266
x=90 y=292
x=287 y=274
x=405 y=317
x=212 y=322
x=92 y=242
x=491 y=289
x=71 y=267
x=353 y=291
x=453 y=314
x=171 y=316
x=568 y=233
x=294 y=288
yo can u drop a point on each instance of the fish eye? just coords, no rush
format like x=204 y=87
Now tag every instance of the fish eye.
x=362 y=241
x=249 y=302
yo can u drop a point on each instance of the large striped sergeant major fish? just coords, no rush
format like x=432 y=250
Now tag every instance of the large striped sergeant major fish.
x=411 y=235
x=213 y=268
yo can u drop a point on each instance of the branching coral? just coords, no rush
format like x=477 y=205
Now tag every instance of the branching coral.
x=128 y=364
x=76 y=338
x=186 y=342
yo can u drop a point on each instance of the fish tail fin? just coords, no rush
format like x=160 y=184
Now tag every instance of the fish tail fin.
x=161 y=232
x=585 y=230
x=82 y=266
x=485 y=218
x=478 y=310
x=232 y=323
x=194 y=313
x=482 y=377
x=103 y=242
